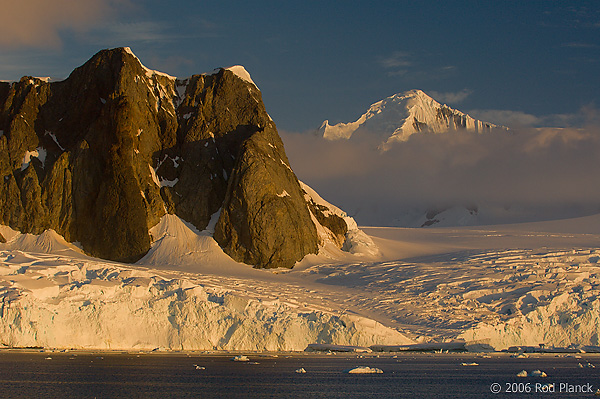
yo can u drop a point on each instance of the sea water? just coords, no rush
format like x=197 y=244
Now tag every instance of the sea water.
x=43 y=374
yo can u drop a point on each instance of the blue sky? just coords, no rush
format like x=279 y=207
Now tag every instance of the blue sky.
x=512 y=62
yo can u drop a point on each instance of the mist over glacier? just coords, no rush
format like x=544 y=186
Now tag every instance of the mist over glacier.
x=522 y=174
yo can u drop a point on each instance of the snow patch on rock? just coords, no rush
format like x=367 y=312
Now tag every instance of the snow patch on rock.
x=356 y=241
x=241 y=73
x=149 y=72
x=39 y=153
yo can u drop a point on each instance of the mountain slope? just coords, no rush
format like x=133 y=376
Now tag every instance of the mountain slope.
x=101 y=156
x=399 y=116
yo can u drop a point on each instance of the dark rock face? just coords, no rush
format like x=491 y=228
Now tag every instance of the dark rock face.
x=266 y=223
x=101 y=156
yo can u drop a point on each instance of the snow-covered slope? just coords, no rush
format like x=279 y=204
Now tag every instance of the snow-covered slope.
x=47 y=242
x=401 y=115
x=356 y=241
x=504 y=285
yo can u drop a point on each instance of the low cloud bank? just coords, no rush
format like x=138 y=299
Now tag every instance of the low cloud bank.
x=552 y=172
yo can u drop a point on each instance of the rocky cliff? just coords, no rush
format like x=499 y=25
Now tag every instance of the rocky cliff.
x=102 y=155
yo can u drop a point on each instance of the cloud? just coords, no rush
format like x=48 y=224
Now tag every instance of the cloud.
x=147 y=32
x=397 y=64
x=535 y=168
x=451 y=97
x=586 y=116
x=140 y=31
x=117 y=33
x=169 y=64
x=39 y=23
x=580 y=45
x=421 y=66
x=506 y=117
x=397 y=59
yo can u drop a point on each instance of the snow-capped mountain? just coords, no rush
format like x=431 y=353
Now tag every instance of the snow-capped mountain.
x=393 y=120
x=399 y=116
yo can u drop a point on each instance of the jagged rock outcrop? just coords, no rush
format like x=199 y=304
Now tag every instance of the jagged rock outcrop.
x=101 y=156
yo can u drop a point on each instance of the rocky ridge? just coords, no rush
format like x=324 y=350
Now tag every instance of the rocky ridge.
x=101 y=156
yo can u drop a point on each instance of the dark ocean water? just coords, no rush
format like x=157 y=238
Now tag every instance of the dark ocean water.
x=84 y=375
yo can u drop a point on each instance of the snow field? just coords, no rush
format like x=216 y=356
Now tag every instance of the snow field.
x=500 y=286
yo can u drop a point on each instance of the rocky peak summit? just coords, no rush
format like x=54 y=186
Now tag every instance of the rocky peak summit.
x=101 y=156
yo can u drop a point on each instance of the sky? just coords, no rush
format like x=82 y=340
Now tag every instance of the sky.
x=530 y=63
x=522 y=64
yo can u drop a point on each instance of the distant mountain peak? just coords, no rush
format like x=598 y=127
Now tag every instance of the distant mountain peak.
x=401 y=115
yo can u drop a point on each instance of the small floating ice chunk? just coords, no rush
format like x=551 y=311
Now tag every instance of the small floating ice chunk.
x=520 y=356
x=240 y=358
x=589 y=365
x=364 y=370
x=469 y=364
x=301 y=371
x=538 y=373
x=522 y=374
x=199 y=367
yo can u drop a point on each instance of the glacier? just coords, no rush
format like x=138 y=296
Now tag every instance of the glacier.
x=509 y=285
x=55 y=296
x=60 y=303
